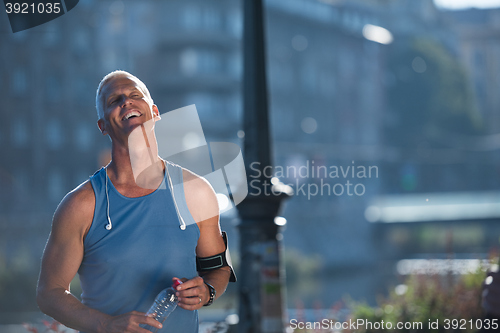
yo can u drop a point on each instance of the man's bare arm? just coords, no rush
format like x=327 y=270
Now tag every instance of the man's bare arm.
x=60 y=262
x=203 y=206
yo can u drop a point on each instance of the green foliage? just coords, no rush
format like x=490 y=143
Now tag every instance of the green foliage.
x=17 y=291
x=300 y=271
x=299 y=266
x=428 y=298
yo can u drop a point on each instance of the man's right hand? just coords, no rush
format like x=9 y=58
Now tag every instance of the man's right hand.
x=129 y=323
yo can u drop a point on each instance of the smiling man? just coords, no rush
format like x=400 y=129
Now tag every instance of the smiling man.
x=127 y=239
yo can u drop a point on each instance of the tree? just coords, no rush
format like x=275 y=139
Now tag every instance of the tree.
x=430 y=94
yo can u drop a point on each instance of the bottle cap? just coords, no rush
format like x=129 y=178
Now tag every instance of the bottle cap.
x=176 y=283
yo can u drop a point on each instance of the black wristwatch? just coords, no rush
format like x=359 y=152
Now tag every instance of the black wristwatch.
x=212 y=294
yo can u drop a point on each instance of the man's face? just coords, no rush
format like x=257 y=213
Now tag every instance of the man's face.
x=125 y=108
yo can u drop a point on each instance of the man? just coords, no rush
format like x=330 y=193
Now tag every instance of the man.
x=129 y=239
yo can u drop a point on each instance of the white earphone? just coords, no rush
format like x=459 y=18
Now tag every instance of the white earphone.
x=109 y=226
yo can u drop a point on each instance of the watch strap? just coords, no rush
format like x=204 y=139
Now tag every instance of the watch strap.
x=212 y=293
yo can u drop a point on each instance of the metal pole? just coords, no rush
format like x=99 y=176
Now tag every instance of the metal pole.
x=261 y=276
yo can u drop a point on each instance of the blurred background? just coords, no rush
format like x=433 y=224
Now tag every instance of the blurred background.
x=403 y=89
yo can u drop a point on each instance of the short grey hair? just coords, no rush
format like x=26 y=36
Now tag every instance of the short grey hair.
x=99 y=98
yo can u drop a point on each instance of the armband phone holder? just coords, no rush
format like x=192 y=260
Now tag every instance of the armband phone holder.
x=222 y=259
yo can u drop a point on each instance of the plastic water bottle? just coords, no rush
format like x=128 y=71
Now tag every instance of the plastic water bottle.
x=164 y=304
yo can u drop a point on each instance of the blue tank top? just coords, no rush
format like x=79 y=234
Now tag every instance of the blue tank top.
x=123 y=269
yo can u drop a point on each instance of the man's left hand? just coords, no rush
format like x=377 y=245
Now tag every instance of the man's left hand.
x=192 y=294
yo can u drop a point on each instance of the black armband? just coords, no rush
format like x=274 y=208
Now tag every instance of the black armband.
x=222 y=259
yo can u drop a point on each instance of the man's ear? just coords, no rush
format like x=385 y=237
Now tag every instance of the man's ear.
x=156 y=113
x=102 y=126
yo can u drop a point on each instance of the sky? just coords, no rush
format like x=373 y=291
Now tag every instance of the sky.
x=460 y=4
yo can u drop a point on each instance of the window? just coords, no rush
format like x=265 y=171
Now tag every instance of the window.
x=235 y=66
x=81 y=40
x=21 y=181
x=205 y=102
x=281 y=76
x=55 y=186
x=234 y=106
x=52 y=37
x=83 y=137
x=54 y=134
x=53 y=87
x=19 y=132
x=204 y=61
x=191 y=17
x=189 y=62
x=308 y=77
x=210 y=61
x=83 y=91
x=19 y=82
x=327 y=83
x=234 y=22
x=211 y=19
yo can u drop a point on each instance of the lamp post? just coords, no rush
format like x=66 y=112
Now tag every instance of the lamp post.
x=261 y=277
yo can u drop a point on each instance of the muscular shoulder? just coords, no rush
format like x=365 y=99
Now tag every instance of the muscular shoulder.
x=79 y=198
x=200 y=197
x=196 y=185
x=76 y=210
